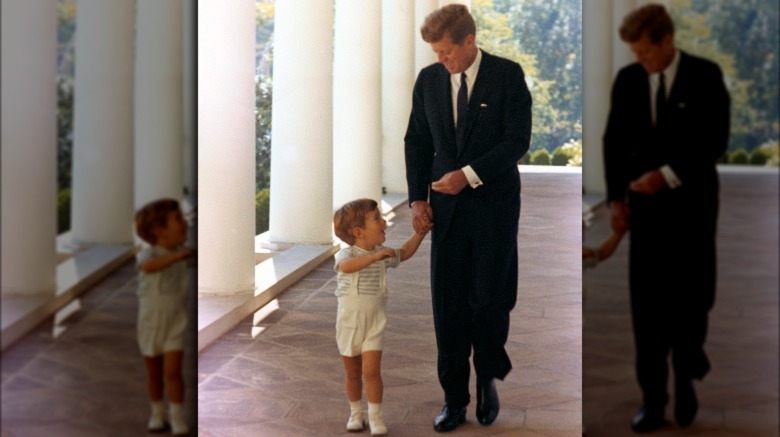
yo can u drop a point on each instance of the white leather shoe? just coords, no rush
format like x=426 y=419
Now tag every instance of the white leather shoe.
x=178 y=424
x=355 y=422
x=157 y=419
x=377 y=424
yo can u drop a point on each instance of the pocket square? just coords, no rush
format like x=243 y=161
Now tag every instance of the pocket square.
x=483 y=105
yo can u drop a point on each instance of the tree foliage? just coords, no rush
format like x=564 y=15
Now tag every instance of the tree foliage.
x=742 y=37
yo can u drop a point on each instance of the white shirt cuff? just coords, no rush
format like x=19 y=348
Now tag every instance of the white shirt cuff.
x=472 y=177
x=671 y=178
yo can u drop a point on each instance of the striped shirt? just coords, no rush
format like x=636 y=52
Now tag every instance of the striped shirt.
x=369 y=277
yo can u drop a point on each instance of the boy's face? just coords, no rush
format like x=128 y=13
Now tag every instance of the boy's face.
x=373 y=231
x=175 y=231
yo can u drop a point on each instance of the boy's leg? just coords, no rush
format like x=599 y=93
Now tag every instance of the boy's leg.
x=154 y=377
x=173 y=377
x=354 y=377
x=372 y=372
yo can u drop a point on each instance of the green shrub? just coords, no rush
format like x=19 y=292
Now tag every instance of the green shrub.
x=525 y=160
x=540 y=157
x=559 y=157
x=739 y=156
x=262 y=203
x=63 y=210
x=759 y=156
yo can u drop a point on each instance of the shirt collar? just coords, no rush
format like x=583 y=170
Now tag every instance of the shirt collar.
x=471 y=72
x=671 y=70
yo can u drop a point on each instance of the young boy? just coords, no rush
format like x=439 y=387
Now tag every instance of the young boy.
x=162 y=307
x=362 y=299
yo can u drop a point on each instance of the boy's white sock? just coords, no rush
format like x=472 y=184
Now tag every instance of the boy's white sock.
x=355 y=406
x=374 y=408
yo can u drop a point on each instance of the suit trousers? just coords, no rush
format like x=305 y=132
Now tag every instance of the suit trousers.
x=672 y=287
x=474 y=288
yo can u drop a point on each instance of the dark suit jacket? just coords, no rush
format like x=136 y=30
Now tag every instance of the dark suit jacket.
x=694 y=138
x=498 y=134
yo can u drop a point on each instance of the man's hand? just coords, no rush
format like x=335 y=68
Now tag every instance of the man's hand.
x=620 y=213
x=422 y=217
x=649 y=183
x=451 y=183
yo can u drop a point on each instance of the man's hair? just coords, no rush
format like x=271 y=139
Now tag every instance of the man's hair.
x=651 y=19
x=453 y=19
x=352 y=215
x=153 y=216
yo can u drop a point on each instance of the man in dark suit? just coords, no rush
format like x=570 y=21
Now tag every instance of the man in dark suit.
x=668 y=124
x=470 y=124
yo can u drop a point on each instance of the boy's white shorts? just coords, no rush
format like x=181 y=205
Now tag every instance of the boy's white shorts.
x=360 y=324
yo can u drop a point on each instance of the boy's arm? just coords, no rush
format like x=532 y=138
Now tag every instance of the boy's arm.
x=609 y=246
x=355 y=263
x=411 y=245
x=156 y=264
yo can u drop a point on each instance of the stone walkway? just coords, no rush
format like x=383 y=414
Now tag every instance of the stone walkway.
x=740 y=395
x=89 y=380
x=278 y=373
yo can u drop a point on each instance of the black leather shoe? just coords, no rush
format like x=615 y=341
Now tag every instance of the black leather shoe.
x=487 y=402
x=686 y=406
x=648 y=419
x=449 y=418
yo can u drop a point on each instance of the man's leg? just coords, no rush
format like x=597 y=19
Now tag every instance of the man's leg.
x=451 y=276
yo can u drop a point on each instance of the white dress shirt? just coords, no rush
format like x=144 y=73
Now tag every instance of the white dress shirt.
x=471 y=78
x=669 y=74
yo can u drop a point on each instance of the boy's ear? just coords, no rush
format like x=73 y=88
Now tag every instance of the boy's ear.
x=357 y=232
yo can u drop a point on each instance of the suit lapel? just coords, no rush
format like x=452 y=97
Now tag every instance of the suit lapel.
x=444 y=88
x=680 y=79
x=480 y=86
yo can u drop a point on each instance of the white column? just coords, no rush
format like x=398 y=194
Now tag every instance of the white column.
x=188 y=98
x=423 y=54
x=158 y=101
x=102 y=206
x=443 y=3
x=357 y=107
x=226 y=152
x=621 y=53
x=596 y=85
x=301 y=209
x=29 y=146
x=398 y=77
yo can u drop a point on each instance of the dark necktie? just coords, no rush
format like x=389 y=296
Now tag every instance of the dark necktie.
x=463 y=107
x=660 y=102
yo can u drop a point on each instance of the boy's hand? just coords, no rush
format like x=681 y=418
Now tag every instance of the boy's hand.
x=187 y=253
x=587 y=252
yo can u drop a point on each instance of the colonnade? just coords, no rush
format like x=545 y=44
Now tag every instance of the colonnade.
x=129 y=126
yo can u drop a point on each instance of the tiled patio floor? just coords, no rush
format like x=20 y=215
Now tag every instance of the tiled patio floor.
x=282 y=375
x=740 y=395
x=90 y=380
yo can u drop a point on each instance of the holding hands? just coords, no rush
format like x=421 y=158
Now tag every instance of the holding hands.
x=422 y=217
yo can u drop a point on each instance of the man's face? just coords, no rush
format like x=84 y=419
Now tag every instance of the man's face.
x=653 y=57
x=456 y=58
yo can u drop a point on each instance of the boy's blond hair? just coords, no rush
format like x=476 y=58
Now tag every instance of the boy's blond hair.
x=352 y=215
x=153 y=216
